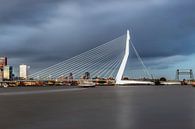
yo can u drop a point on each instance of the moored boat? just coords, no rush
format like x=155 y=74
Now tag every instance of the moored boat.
x=193 y=83
x=86 y=83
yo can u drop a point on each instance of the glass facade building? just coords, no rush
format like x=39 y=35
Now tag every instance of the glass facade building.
x=23 y=71
x=7 y=72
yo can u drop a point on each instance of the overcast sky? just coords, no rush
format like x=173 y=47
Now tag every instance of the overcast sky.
x=41 y=33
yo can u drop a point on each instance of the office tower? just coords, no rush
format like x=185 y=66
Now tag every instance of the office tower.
x=23 y=71
x=7 y=72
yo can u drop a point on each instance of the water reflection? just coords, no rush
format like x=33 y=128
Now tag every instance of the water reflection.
x=126 y=114
x=154 y=107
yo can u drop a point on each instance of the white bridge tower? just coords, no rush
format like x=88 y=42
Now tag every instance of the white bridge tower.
x=124 y=61
x=121 y=70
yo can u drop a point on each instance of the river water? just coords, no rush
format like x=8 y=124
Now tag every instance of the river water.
x=134 y=107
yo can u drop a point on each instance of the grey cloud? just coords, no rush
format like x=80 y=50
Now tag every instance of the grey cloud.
x=47 y=31
x=24 y=12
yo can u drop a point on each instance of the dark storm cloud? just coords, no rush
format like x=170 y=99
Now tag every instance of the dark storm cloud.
x=49 y=31
x=26 y=11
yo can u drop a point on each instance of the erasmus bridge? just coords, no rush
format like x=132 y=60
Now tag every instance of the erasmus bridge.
x=108 y=60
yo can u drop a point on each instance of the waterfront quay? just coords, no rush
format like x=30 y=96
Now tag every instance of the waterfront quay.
x=39 y=83
x=82 y=82
x=135 y=107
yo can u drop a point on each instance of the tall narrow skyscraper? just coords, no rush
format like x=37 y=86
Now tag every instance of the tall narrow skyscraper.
x=8 y=72
x=23 y=71
x=3 y=62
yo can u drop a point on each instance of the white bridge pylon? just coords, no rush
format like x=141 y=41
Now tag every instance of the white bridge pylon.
x=124 y=61
x=119 y=76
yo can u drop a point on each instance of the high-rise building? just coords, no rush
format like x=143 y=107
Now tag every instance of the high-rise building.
x=3 y=62
x=7 y=72
x=23 y=71
x=1 y=74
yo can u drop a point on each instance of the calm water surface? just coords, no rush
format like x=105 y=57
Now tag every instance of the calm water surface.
x=136 y=107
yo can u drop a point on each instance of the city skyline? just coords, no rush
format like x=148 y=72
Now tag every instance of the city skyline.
x=46 y=32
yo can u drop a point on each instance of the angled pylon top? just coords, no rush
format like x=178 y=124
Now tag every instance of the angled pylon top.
x=128 y=35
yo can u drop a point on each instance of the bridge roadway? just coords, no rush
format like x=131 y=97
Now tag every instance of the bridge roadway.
x=137 y=107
